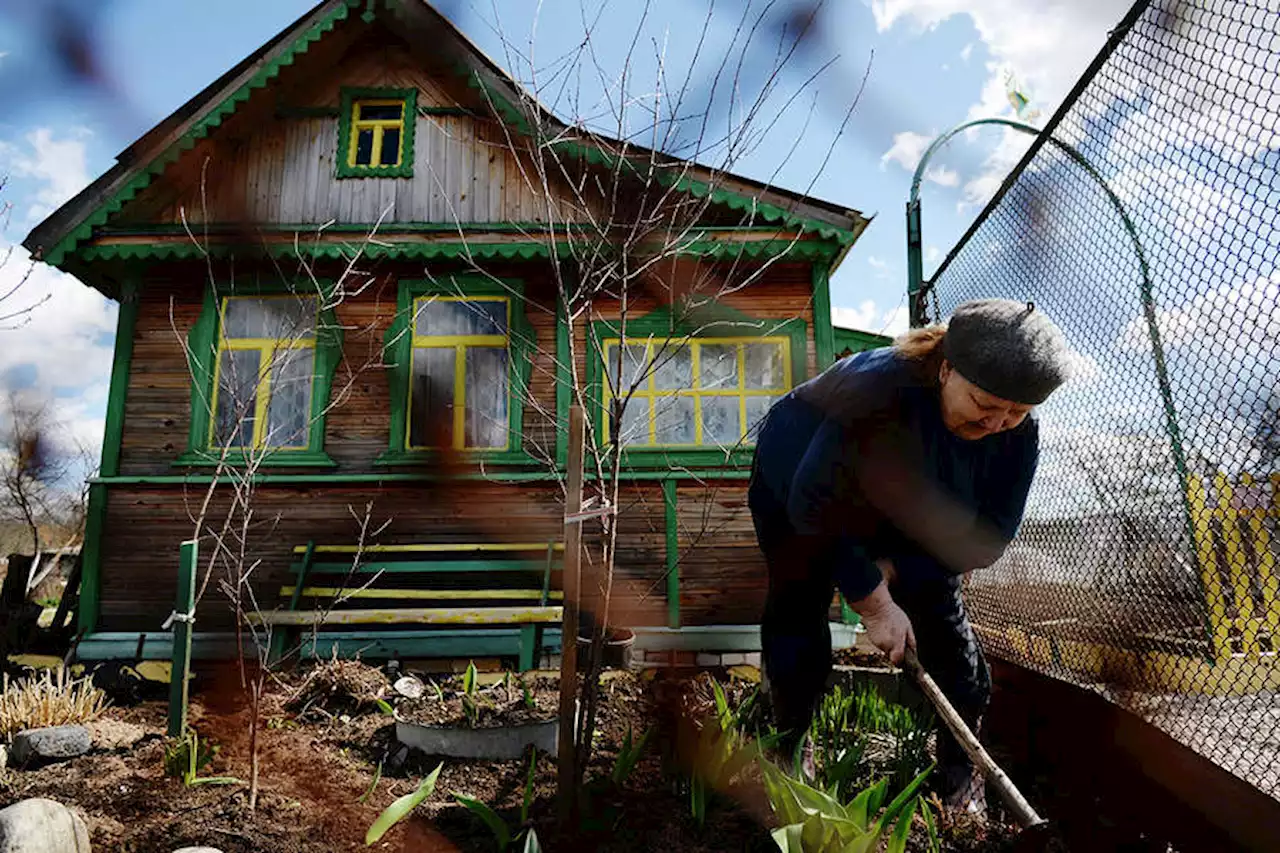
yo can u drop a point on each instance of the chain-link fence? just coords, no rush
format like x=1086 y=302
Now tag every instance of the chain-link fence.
x=1144 y=221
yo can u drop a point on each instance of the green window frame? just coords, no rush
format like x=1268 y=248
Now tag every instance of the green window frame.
x=364 y=116
x=207 y=351
x=662 y=333
x=411 y=347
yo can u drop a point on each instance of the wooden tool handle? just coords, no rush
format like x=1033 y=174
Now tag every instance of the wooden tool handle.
x=1023 y=813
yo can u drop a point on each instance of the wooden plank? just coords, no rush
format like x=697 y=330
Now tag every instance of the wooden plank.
x=184 y=609
x=430 y=548
x=442 y=594
x=437 y=566
x=445 y=642
x=566 y=765
x=409 y=616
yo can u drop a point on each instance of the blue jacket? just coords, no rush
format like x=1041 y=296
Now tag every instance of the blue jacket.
x=859 y=460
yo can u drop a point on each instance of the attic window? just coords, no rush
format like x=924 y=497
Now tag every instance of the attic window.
x=375 y=136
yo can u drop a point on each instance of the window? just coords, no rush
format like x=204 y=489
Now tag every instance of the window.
x=265 y=368
x=458 y=355
x=458 y=387
x=262 y=360
x=704 y=392
x=376 y=133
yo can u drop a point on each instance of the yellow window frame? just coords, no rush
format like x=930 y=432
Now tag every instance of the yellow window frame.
x=459 y=344
x=267 y=348
x=379 y=127
x=648 y=391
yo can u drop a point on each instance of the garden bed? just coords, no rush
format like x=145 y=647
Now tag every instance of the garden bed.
x=330 y=764
x=511 y=701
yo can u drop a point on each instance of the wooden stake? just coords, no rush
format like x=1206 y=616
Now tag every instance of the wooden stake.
x=568 y=793
x=183 y=613
x=1023 y=813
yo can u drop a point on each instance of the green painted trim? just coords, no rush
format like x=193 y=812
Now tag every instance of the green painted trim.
x=535 y=230
x=823 y=333
x=202 y=350
x=502 y=106
x=535 y=248
x=704 y=319
x=113 y=432
x=157 y=645
x=398 y=357
x=859 y=341
x=673 y=553
x=675 y=177
x=543 y=476
x=484 y=642
x=350 y=94
x=240 y=459
x=91 y=559
x=198 y=130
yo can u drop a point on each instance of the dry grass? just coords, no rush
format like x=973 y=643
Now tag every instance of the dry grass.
x=48 y=700
x=339 y=685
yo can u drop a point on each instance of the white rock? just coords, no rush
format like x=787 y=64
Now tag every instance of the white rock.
x=55 y=743
x=42 y=826
x=705 y=659
x=409 y=687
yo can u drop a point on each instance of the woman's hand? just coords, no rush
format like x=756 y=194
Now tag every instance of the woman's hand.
x=888 y=627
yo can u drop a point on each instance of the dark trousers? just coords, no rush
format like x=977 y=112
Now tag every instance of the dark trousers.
x=796 y=639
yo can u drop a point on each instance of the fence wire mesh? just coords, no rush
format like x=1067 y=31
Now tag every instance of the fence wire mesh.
x=1147 y=564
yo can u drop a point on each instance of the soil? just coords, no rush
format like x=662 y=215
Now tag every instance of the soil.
x=517 y=702
x=327 y=772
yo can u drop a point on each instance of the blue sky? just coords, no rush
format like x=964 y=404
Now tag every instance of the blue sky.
x=932 y=63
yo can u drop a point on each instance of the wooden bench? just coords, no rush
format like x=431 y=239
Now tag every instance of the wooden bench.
x=471 y=600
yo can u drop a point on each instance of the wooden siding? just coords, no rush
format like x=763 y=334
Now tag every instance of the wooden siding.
x=158 y=401
x=145 y=524
x=277 y=165
x=722 y=572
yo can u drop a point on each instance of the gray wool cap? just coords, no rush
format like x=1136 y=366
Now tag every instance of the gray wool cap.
x=1009 y=349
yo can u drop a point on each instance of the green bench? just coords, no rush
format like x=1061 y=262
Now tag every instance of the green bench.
x=463 y=600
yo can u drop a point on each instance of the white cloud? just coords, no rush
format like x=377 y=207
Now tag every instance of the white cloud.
x=932 y=254
x=1216 y=321
x=966 y=52
x=942 y=176
x=58 y=165
x=907 y=149
x=1047 y=44
x=61 y=349
x=878 y=263
x=868 y=317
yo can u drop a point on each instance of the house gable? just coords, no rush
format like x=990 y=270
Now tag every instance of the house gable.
x=280 y=161
x=261 y=145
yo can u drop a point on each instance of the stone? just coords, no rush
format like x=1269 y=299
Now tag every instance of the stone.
x=751 y=659
x=56 y=743
x=197 y=850
x=114 y=734
x=42 y=826
x=705 y=659
x=4 y=756
x=409 y=687
x=733 y=658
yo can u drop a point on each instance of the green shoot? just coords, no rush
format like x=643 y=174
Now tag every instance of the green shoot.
x=396 y=812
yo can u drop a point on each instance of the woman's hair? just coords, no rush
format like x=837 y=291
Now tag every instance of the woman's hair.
x=923 y=347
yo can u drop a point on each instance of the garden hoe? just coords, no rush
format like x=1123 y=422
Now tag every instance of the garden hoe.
x=1037 y=834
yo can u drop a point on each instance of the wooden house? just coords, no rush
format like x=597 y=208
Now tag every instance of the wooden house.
x=371 y=149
